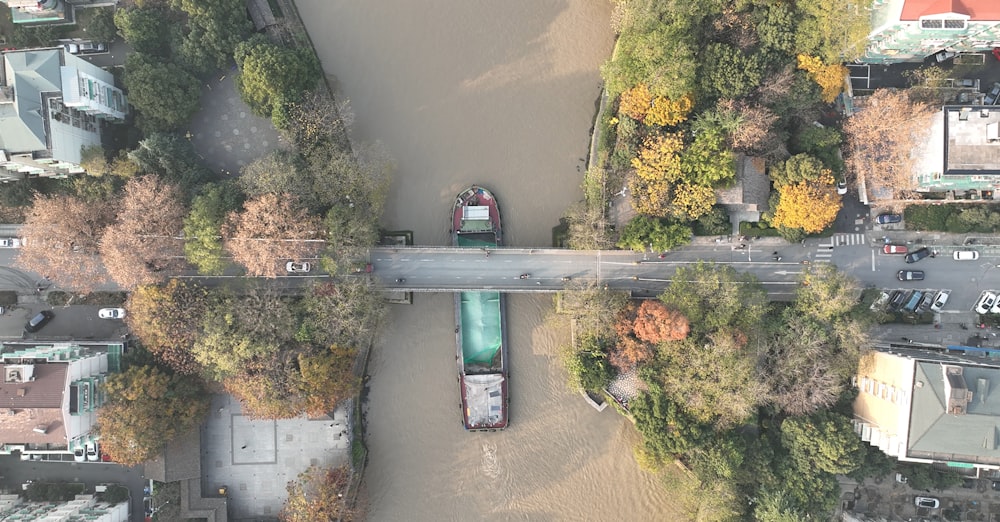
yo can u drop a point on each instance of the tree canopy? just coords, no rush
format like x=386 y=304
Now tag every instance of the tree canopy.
x=318 y=494
x=270 y=230
x=146 y=409
x=273 y=76
x=165 y=94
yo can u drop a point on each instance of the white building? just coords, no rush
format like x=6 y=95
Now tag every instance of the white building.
x=83 y=507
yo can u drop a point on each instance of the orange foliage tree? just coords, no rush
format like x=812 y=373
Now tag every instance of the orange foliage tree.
x=830 y=78
x=810 y=206
x=635 y=102
x=271 y=229
x=655 y=323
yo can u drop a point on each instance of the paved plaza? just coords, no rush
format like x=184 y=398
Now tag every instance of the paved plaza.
x=224 y=132
x=255 y=459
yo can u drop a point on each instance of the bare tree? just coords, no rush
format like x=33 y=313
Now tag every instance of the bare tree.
x=144 y=244
x=62 y=235
x=882 y=137
x=271 y=229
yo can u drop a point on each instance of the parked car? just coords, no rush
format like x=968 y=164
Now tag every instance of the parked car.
x=995 y=309
x=939 y=300
x=910 y=275
x=993 y=95
x=927 y=502
x=80 y=455
x=944 y=55
x=92 y=454
x=38 y=321
x=885 y=219
x=985 y=303
x=901 y=479
x=842 y=187
x=894 y=249
x=917 y=255
x=896 y=299
x=111 y=313
x=995 y=485
x=966 y=255
x=914 y=301
x=293 y=267
x=10 y=242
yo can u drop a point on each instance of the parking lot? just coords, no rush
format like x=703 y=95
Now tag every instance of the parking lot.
x=975 y=500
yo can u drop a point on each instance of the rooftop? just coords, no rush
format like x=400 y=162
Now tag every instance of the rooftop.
x=971 y=140
x=980 y=10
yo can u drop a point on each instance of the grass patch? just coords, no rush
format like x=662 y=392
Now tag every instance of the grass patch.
x=758 y=229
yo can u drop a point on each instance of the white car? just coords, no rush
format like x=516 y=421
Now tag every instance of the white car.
x=966 y=255
x=940 y=300
x=293 y=267
x=10 y=242
x=92 y=454
x=80 y=455
x=111 y=313
x=842 y=187
x=927 y=502
x=985 y=303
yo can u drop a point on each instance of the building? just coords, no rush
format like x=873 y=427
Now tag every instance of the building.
x=50 y=394
x=83 y=507
x=961 y=157
x=51 y=107
x=748 y=197
x=36 y=11
x=911 y=30
x=934 y=407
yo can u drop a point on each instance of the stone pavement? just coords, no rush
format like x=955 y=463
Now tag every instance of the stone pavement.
x=256 y=459
x=224 y=132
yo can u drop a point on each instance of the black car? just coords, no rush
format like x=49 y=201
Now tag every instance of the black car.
x=897 y=299
x=884 y=219
x=38 y=321
x=996 y=485
x=917 y=255
x=910 y=275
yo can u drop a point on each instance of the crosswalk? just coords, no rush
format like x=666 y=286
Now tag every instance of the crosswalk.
x=824 y=251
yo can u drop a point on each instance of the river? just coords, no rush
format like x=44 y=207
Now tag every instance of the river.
x=501 y=94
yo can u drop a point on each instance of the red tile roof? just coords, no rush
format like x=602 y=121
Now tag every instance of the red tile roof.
x=45 y=391
x=982 y=10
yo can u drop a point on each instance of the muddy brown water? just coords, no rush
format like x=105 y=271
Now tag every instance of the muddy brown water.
x=500 y=94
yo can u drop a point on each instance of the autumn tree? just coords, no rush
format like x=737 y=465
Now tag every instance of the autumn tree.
x=318 y=121
x=655 y=322
x=882 y=136
x=64 y=234
x=830 y=78
x=144 y=243
x=628 y=350
x=271 y=228
x=635 y=102
x=224 y=347
x=747 y=127
x=167 y=320
x=593 y=308
x=810 y=207
x=799 y=366
x=146 y=409
x=657 y=169
x=343 y=313
x=714 y=297
x=319 y=494
x=666 y=112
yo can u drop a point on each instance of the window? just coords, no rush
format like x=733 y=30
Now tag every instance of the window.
x=942 y=23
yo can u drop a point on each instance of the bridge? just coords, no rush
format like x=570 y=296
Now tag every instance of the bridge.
x=450 y=269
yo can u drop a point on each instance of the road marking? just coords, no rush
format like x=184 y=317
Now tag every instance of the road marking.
x=786 y=272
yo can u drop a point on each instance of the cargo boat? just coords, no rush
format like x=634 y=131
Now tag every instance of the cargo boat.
x=480 y=337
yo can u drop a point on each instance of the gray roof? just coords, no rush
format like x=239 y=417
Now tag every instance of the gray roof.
x=752 y=188
x=973 y=436
x=29 y=73
x=180 y=459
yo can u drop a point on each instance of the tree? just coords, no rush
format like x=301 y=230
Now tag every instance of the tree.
x=667 y=429
x=167 y=320
x=830 y=78
x=823 y=441
x=213 y=31
x=319 y=494
x=657 y=168
x=146 y=29
x=628 y=351
x=715 y=297
x=829 y=294
x=661 y=56
x=809 y=206
x=223 y=349
x=728 y=71
x=691 y=201
x=146 y=409
x=586 y=227
x=271 y=228
x=165 y=94
x=272 y=76
x=326 y=379
x=102 y=25
x=341 y=314
x=800 y=168
x=144 y=242
x=317 y=121
x=587 y=364
x=882 y=136
x=800 y=365
x=656 y=234
x=748 y=128
x=635 y=102
x=707 y=161
x=594 y=309
x=350 y=233
x=64 y=234
x=655 y=323
x=203 y=227
x=174 y=159
x=832 y=32
x=664 y=111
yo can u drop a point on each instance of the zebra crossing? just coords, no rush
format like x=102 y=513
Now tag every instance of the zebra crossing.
x=824 y=251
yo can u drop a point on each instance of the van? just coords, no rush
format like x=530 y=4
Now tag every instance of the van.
x=966 y=255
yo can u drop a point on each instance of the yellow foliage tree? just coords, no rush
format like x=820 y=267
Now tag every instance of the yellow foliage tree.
x=635 y=102
x=692 y=201
x=657 y=168
x=810 y=206
x=830 y=78
x=665 y=111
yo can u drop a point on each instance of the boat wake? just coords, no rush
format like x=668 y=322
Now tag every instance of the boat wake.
x=490 y=466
